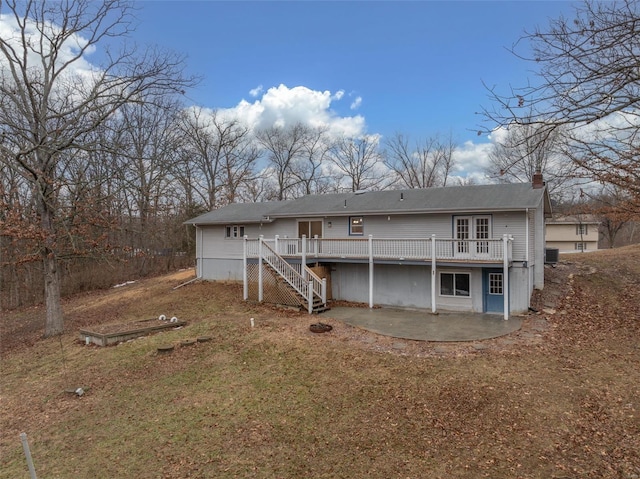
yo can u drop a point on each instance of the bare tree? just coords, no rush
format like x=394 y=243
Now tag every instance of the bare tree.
x=359 y=162
x=240 y=155
x=147 y=146
x=523 y=152
x=307 y=169
x=218 y=154
x=611 y=207
x=424 y=165
x=588 y=88
x=283 y=147
x=50 y=100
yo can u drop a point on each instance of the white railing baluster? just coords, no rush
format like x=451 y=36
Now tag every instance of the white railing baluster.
x=417 y=249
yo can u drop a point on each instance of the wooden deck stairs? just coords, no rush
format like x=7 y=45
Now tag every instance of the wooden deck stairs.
x=303 y=289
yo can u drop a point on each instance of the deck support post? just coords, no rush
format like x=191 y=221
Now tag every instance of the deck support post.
x=505 y=275
x=433 y=273
x=260 y=267
x=371 y=271
x=324 y=291
x=275 y=244
x=310 y=297
x=303 y=271
x=245 y=279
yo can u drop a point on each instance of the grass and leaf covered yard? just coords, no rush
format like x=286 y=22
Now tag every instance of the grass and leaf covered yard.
x=277 y=401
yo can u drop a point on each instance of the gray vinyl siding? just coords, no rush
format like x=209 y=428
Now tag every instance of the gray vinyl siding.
x=403 y=286
x=532 y=236
x=512 y=224
x=538 y=257
x=473 y=303
x=216 y=269
x=215 y=245
x=520 y=282
x=400 y=226
x=393 y=226
x=393 y=285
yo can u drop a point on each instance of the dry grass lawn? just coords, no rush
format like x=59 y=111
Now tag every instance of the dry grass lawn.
x=558 y=399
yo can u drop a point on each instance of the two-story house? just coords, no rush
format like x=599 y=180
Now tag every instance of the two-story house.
x=467 y=248
x=571 y=234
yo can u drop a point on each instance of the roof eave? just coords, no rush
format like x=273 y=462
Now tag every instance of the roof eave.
x=407 y=211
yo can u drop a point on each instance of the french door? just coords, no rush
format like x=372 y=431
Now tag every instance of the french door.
x=471 y=233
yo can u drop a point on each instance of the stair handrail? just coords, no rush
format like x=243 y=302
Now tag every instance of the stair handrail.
x=291 y=276
x=284 y=269
x=317 y=283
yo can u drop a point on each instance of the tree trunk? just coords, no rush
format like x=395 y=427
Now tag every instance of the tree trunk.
x=54 y=323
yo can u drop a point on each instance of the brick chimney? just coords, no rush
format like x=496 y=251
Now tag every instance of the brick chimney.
x=538 y=181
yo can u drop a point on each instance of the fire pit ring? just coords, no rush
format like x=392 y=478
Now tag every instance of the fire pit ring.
x=320 y=328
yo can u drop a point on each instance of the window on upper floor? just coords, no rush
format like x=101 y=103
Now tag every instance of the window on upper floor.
x=581 y=230
x=472 y=228
x=356 y=226
x=234 y=231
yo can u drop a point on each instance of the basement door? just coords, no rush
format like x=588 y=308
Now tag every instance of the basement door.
x=493 y=288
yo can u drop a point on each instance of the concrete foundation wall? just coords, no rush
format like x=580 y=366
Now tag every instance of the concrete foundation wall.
x=220 y=269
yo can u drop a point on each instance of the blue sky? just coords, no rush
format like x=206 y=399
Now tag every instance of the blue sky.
x=418 y=67
x=363 y=67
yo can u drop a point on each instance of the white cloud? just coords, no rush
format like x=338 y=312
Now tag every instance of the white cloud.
x=470 y=160
x=76 y=73
x=356 y=103
x=285 y=106
x=10 y=32
x=256 y=91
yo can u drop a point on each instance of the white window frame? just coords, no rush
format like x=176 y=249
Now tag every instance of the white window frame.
x=582 y=230
x=360 y=226
x=471 y=233
x=581 y=246
x=454 y=273
x=493 y=284
x=234 y=231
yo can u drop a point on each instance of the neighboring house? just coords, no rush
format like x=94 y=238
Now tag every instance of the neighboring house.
x=570 y=234
x=471 y=248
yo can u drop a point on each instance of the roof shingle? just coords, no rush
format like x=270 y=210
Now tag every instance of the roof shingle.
x=477 y=198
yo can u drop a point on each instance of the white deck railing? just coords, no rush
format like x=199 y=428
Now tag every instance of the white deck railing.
x=300 y=277
x=416 y=249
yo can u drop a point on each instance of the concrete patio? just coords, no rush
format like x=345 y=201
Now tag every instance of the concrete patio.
x=422 y=325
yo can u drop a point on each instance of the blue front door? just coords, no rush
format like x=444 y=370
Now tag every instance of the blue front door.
x=493 y=288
